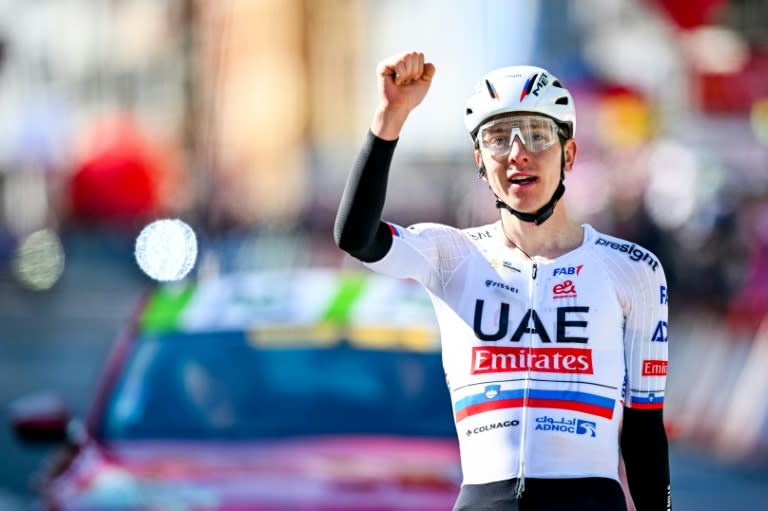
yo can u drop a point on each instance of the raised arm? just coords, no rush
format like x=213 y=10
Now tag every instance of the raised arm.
x=403 y=82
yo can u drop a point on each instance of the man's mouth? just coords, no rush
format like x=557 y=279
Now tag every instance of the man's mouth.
x=522 y=180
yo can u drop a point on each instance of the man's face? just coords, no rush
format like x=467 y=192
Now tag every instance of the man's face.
x=522 y=158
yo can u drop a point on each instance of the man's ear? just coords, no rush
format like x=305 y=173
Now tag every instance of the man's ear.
x=570 y=154
x=480 y=165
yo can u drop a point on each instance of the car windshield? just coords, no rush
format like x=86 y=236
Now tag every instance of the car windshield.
x=223 y=387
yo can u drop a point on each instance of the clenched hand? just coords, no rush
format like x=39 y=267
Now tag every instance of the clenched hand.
x=403 y=82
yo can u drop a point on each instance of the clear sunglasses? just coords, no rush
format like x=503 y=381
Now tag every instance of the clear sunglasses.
x=536 y=132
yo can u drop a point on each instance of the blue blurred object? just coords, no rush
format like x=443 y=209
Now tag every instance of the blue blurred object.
x=308 y=389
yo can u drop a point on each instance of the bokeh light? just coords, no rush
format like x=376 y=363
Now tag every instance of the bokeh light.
x=39 y=260
x=759 y=120
x=166 y=249
x=670 y=197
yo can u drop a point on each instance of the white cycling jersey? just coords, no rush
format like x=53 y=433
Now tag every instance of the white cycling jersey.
x=540 y=356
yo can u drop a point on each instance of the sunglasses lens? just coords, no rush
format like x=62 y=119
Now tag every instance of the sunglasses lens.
x=537 y=133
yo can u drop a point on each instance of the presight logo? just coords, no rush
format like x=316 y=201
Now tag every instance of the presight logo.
x=634 y=252
x=489 y=360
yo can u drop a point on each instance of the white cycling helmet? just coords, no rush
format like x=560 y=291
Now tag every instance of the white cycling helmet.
x=520 y=89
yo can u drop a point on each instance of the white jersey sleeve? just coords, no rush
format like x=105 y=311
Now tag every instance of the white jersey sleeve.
x=429 y=253
x=643 y=294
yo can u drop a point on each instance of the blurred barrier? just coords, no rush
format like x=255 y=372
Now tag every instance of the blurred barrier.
x=745 y=428
x=718 y=388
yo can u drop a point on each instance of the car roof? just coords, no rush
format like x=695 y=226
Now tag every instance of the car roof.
x=307 y=303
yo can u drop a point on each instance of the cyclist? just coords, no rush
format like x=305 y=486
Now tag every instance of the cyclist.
x=554 y=335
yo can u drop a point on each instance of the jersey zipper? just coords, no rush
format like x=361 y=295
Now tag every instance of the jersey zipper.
x=526 y=388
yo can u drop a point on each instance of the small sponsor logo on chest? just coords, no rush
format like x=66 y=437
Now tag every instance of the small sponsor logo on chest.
x=565 y=289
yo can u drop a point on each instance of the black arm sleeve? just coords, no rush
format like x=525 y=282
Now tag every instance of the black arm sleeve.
x=646 y=458
x=359 y=230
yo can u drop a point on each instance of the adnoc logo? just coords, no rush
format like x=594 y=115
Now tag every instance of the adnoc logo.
x=563 y=425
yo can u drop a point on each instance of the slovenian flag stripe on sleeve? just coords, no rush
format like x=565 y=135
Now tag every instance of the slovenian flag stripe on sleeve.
x=395 y=230
x=652 y=402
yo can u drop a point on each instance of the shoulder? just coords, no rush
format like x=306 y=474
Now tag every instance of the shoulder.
x=436 y=230
x=620 y=252
x=425 y=230
x=481 y=233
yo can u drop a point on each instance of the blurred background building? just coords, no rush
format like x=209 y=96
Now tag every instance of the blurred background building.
x=243 y=117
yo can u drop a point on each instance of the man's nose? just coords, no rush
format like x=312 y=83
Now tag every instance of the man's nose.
x=517 y=149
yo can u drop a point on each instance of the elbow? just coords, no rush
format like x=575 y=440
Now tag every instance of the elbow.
x=355 y=249
x=345 y=245
x=352 y=245
x=344 y=241
x=367 y=249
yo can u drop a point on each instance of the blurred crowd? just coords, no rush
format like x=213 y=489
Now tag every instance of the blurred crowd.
x=243 y=117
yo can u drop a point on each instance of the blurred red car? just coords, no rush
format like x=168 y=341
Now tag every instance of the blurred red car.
x=311 y=390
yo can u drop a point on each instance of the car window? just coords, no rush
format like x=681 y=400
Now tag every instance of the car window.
x=221 y=386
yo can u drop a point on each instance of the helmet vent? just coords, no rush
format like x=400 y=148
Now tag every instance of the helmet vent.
x=528 y=86
x=491 y=90
x=557 y=83
x=531 y=81
x=562 y=101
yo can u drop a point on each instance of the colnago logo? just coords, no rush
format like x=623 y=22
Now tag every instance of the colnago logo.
x=563 y=425
x=655 y=367
x=492 y=427
x=635 y=253
x=545 y=360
